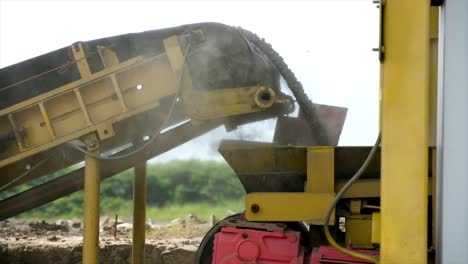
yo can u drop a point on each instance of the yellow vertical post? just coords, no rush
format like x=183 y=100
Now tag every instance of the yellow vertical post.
x=433 y=67
x=320 y=170
x=405 y=99
x=91 y=211
x=321 y=175
x=139 y=214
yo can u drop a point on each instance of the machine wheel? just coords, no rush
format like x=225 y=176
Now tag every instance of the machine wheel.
x=205 y=250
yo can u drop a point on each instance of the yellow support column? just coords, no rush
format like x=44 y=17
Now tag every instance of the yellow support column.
x=91 y=211
x=139 y=214
x=405 y=99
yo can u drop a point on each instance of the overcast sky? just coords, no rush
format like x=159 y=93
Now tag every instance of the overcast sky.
x=326 y=43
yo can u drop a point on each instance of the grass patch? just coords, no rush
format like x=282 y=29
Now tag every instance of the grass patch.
x=202 y=210
x=124 y=208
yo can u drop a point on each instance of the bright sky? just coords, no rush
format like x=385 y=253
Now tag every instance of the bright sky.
x=326 y=43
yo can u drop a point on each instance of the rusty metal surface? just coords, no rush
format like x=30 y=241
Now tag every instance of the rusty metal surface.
x=331 y=117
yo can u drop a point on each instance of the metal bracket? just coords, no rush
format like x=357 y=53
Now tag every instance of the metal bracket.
x=272 y=227
x=381 y=48
x=79 y=54
x=91 y=141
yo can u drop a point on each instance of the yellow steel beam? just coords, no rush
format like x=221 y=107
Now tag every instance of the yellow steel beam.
x=121 y=68
x=405 y=93
x=320 y=170
x=306 y=207
x=139 y=214
x=433 y=64
x=108 y=56
x=120 y=91
x=370 y=188
x=365 y=188
x=376 y=228
x=91 y=211
x=207 y=105
x=80 y=57
x=359 y=231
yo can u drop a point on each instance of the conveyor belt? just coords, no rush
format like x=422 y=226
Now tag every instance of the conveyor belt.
x=226 y=60
x=222 y=57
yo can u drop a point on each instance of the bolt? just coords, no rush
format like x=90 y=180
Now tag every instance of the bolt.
x=245 y=235
x=255 y=208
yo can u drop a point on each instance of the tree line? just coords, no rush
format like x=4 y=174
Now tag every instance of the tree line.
x=174 y=182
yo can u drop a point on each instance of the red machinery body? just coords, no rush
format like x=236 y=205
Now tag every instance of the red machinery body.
x=249 y=246
x=239 y=246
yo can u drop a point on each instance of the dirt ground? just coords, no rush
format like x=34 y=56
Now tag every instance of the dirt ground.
x=61 y=242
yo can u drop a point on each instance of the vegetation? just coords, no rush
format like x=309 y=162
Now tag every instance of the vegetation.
x=175 y=189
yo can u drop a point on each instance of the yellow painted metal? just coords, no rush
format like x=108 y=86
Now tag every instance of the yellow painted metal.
x=76 y=84
x=207 y=105
x=72 y=135
x=139 y=214
x=80 y=57
x=405 y=107
x=108 y=56
x=13 y=127
x=83 y=107
x=264 y=97
x=369 y=188
x=46 y=119
x=359 y=231
x=175 y=57
x=174 y=53
x=320 y=170
x=91 y=211
x=119 y=91
x=72 y=110
x=306 y=207
x=376 y=228
x=433 y=62
x=355 y=206
x=365 y=188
